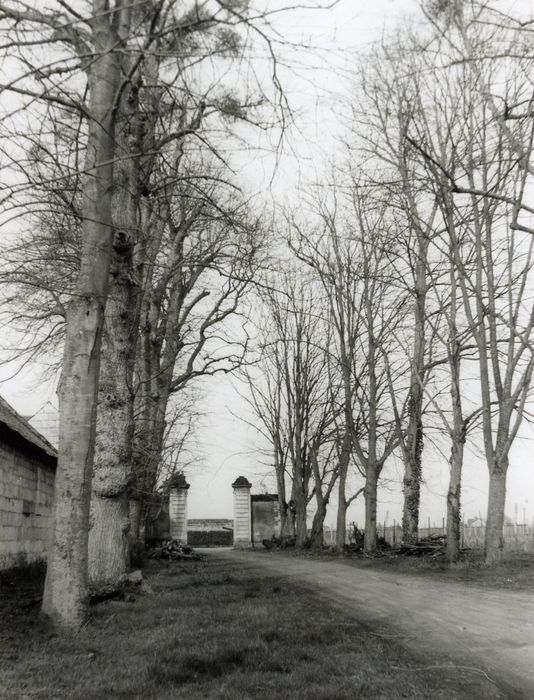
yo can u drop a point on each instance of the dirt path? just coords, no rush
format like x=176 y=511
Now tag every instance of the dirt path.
x=491 y=630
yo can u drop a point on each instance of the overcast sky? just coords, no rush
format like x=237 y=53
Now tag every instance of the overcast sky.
x=342 y=34
x=316 y=89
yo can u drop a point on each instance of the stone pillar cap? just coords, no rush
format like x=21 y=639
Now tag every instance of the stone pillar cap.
x=177 y=481
x=241 y=483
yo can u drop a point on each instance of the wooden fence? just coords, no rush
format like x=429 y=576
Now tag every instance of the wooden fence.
x=517 y=537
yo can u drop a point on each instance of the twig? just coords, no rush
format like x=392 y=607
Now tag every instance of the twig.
x=451 y=667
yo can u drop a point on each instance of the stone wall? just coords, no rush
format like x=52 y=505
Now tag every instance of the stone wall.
x=209 y=524
x=265 y=517
x=26 y=493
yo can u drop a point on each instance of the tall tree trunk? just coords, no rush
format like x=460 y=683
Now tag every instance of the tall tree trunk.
x=413 y=447
x=459 y=430
x=370 y=495
x=65 y=594
x=412 y=466
x=455 y=460
x=301 y=527
x=412 y=492
x=291 y=520
x=108 y=537
x=317 y=529
x=145 y=407
x=494 y=539
x=372 y=469
x=136 y=529
x=341 y=520
x=283 y=507
x=108 y=541
x=343 y=467
x=453 y=501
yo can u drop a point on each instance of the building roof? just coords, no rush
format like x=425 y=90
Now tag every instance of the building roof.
x=46 y=422
x=15 y=423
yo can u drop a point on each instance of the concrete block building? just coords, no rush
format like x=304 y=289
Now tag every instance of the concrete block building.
x=27 y=473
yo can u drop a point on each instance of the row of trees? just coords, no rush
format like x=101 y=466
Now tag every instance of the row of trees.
x=135 y=244
x=413 y=311
x=404 y=307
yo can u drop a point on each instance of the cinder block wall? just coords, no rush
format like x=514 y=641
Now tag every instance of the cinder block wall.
x=26 y=493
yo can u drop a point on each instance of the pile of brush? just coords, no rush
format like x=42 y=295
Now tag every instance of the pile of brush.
x=279 y=542
x=433 y=545
x=172 y=550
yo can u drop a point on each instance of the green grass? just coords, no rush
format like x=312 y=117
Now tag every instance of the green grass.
x=206 y=630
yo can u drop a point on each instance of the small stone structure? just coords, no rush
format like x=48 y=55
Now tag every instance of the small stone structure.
x=27 y=473
x=256 y=516
x=178 y=488
x=242 y=513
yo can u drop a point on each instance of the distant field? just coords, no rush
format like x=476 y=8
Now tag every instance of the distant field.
x=211 y=630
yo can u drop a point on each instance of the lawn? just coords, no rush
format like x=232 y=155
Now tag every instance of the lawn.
x=205 y=630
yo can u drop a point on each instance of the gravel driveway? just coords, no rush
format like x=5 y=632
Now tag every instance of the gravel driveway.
x=489 y=630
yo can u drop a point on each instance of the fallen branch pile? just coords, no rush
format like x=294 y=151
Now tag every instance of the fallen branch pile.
x=173 y=550
x=279 y=542
x=433 y=545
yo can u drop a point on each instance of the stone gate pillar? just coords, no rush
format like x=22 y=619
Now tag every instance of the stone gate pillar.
x=178 y=508
x=242 y=519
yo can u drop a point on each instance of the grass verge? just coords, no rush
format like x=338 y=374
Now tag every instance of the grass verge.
x=515 y=573
x=207 y=630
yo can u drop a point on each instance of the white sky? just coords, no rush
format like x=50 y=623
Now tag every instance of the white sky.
x=229 y=448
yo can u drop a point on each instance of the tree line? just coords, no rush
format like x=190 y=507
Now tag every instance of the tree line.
x=405 y=318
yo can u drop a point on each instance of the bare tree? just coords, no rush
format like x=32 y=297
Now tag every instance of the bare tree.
x=351 y=256
x=390 y=108
x=208 y=254
x=290 y=389
x=469 y=151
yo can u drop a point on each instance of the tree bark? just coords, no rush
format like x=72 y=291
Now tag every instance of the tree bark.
x=108 y=554
x=454 y=501
x=494 y=539
x=412 y=469
x=413 y=447
x=341 y=520
x=456 y=460
x=343 y=467
x=301 y=527
x=65 y=594
x=370 y=496
x=136 y=529
x=108 y=539
x=317 y=529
